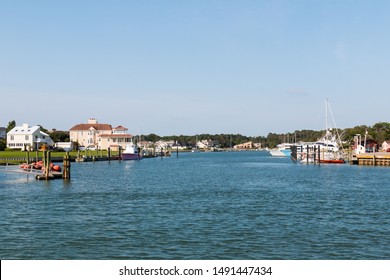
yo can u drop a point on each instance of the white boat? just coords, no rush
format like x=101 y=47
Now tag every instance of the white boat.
x=131 y=152
x=326 y=149
x=282 y=150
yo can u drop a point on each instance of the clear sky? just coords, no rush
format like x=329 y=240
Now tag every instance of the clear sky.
x=190 y=67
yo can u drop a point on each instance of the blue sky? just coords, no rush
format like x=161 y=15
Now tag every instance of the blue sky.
x=190 y=67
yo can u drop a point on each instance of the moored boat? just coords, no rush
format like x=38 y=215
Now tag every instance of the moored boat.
x=337 y=161
x=328 y=149
x=131 y=153
x=282 y=150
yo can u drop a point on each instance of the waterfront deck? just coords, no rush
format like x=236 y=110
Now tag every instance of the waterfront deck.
x=373 y=159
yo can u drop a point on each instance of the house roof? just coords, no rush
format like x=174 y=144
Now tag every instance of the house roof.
x=120 y=128
x=87 y=126
x=23 y=129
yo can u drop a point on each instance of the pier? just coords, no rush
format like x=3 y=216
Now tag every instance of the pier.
x=41 y=170
x=373 y=159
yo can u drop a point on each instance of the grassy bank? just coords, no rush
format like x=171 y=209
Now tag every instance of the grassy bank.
x=19 y=156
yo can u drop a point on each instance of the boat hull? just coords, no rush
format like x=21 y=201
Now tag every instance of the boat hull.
x=130 y=156
x=277 y=153
x=332 y=161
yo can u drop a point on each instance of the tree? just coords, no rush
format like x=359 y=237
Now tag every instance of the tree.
x=11 y=125
x=381 y=131
x=151 y=137
x=59 y=136
x=3 y=144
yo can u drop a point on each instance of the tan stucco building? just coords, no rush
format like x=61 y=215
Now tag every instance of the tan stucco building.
x=93 y=135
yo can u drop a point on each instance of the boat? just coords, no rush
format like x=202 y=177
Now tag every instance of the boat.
x=325 y=150
x=336 y=161
x=131 y=153
x=282 y=150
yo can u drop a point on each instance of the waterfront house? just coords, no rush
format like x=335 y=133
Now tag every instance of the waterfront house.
x=386 y=145
x=27 y=137
x=206 y=144
x=244 y=146
x=371 y=146
x=86 y=134
x=94 y=135
x=119 y=137
x=161 y=145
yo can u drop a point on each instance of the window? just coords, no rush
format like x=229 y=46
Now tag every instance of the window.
x=26 y=137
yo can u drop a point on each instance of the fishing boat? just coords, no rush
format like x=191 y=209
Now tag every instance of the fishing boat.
x=326 y=150
x=131 y=152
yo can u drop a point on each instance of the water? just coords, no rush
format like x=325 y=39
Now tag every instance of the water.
x=238 y=205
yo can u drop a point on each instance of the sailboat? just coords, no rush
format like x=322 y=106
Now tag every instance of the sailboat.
x=331 y=141
x=328 y=148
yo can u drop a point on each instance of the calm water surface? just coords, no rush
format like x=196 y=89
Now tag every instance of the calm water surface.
x=238 y=205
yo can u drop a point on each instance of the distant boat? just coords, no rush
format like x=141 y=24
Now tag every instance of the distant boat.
x=131 y=153
x=340 y=161
x=282 y=150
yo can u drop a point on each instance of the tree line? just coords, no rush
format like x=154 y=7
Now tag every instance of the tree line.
x=379 y=132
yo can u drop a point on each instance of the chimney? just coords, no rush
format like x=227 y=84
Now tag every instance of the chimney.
x=92 y=121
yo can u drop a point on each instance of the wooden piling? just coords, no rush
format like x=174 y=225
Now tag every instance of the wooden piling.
x=47 y=167
x=27 y=157
x=315 y=155
x=319 y=154
x=66 y=167
x=307 y=154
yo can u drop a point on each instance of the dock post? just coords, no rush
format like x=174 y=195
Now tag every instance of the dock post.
x=66 y=171
x=177 y=151
x=307 y=154
x=315 y=155
x=319 y=154
x=44 y=159
x=109 y=154
x=46 y=164
x=27 y=154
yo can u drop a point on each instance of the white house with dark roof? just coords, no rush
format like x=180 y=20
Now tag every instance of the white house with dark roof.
x=29 y=137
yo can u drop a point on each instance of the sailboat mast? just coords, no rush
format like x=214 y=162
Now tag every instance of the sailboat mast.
x=326 y=117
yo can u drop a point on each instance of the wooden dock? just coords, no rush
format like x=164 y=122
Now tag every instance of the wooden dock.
x=372 y=159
